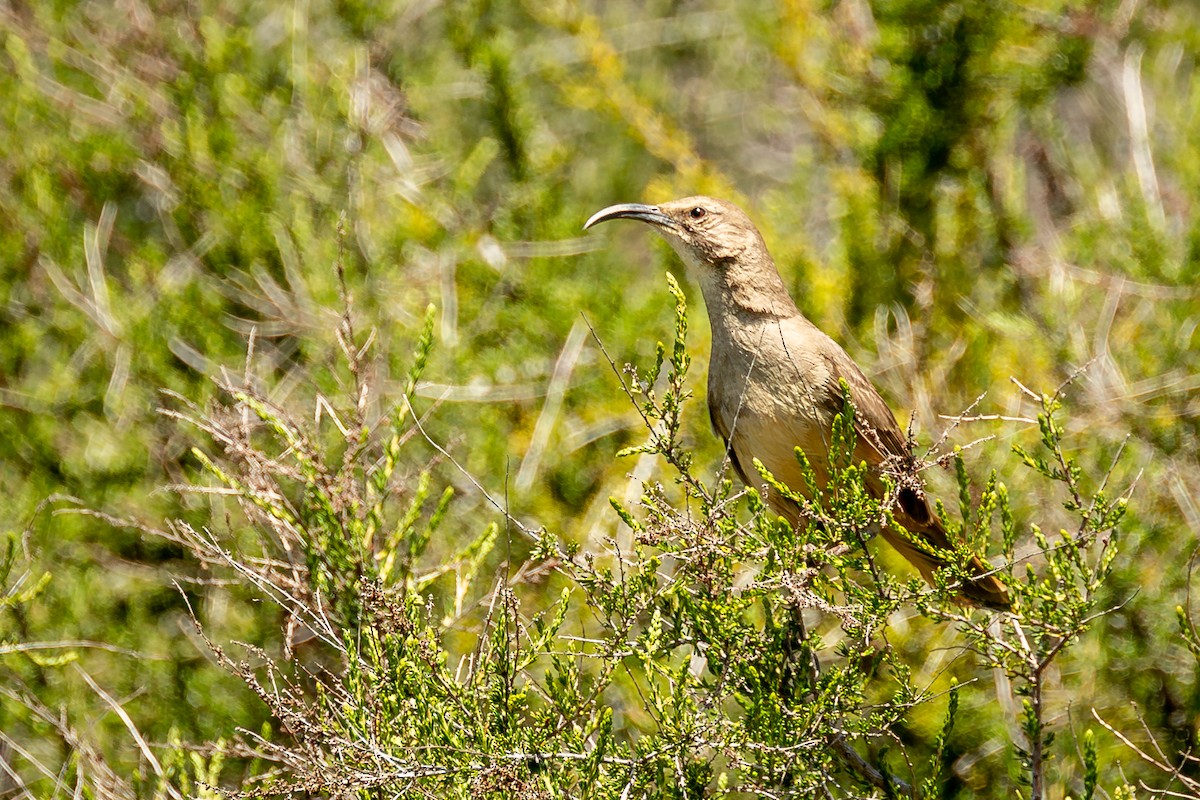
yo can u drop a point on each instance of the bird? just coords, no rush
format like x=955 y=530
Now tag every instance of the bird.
x=775 y=382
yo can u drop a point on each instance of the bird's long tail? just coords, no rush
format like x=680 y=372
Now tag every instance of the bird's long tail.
x=984 y=589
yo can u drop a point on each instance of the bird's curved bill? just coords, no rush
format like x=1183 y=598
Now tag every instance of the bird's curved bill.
x=645 y=213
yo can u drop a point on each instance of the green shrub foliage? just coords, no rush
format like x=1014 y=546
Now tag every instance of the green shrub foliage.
x=337 y=459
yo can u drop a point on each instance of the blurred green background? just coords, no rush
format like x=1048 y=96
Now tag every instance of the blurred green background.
x=958 y=192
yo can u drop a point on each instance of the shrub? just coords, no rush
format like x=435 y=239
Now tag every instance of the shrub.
x=713 y=651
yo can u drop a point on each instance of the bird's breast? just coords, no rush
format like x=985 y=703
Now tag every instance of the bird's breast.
x=763 y=388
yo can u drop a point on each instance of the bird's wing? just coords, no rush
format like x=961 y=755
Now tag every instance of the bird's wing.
x=879 y=436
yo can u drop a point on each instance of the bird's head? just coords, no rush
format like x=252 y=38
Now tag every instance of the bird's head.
x=705 y=232
x=721 y=246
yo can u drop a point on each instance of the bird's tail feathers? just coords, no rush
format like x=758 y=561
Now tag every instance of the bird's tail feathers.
x=984 y=589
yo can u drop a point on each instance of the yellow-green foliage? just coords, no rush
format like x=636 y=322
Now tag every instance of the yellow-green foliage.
x=339 y=243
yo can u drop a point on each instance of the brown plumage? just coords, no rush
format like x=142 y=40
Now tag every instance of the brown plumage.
x=774 y=379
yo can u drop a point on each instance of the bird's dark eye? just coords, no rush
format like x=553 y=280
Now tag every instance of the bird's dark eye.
x=697 y=212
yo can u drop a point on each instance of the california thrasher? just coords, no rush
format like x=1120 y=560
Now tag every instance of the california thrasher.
x=774 y=379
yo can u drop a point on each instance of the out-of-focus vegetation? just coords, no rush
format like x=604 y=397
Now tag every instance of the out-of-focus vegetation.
x=962 y=193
